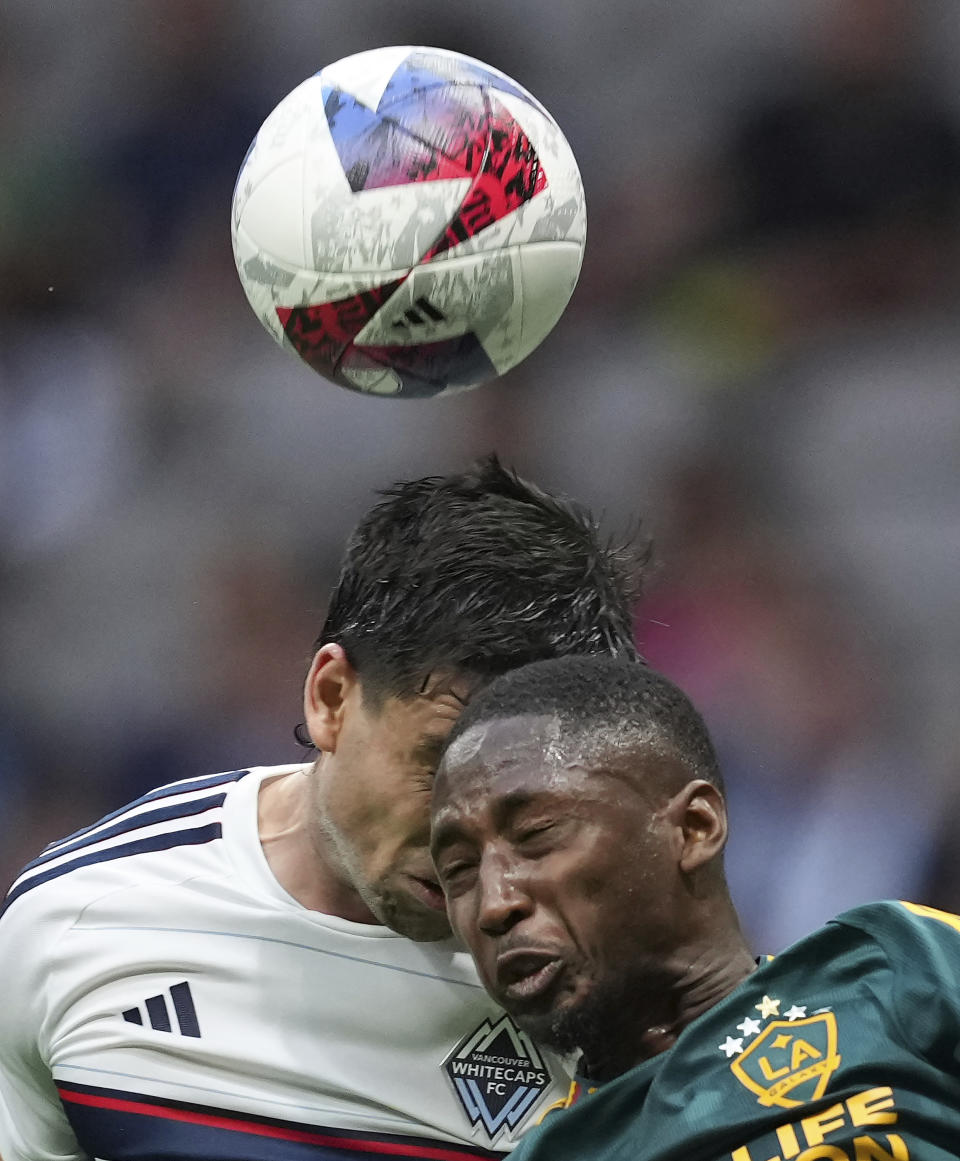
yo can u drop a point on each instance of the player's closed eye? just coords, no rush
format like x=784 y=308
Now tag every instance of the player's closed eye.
x=456 y=874
x=537 y=838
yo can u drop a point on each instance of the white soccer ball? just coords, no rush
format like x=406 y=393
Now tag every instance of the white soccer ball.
x=409 y=222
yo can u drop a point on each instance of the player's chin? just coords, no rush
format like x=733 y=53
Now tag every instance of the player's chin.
x=527 y=1012
x=428 y=927
x=552 y=1018
x=409 y=915
x=546 y=1025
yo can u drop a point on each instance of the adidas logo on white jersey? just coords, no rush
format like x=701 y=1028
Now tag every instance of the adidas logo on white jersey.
x=158 y=1011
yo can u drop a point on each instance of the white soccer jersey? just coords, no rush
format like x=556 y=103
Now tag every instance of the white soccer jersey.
x=164 y=998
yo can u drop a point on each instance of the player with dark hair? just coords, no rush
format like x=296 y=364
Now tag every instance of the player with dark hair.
x=217 y=969
x=578 y=830
x=464 y=574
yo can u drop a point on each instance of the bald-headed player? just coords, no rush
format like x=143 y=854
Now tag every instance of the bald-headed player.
x=578 y=830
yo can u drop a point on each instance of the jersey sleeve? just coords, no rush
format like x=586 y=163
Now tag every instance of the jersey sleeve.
x=33 y=1124
x=922 y=946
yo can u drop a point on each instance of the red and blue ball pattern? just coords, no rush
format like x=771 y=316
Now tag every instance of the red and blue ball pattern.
x=438 y=118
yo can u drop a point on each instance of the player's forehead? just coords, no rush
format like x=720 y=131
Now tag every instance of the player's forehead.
x=507 y=740
x=420 y=719
x=501 y=755
x=498 y=771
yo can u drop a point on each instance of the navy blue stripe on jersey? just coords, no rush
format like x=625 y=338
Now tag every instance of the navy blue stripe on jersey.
x=127 y=1126
x=168 y=791
x=131 y=822
x=186 y=1012
x=158 y=1015
x=157 y=842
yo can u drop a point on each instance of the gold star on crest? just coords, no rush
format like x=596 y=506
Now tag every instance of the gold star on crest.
x=768 y=1007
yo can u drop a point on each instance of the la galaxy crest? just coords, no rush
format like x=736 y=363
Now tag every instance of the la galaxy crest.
x=787 y=1061
x=498 y=1075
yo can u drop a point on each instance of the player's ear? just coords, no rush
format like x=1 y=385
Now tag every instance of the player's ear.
x=325 y=693
x=699 y=815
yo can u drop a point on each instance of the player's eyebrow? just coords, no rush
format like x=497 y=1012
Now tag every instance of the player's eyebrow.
x=443 y=834
x=434 y=683
x=447 y=828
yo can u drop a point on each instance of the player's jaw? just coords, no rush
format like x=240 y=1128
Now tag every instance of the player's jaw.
x=535 y=980
x=414 y=906
x=562 y=995
x=390 y=877
x=408 y=899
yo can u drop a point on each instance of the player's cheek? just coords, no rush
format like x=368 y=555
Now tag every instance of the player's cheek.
x=462 y=913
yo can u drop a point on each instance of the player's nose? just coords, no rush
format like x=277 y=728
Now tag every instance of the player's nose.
x=503 y=896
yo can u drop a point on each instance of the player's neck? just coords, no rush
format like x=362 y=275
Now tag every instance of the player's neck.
x=298 y=862
x=711 y=977
x=688 y=985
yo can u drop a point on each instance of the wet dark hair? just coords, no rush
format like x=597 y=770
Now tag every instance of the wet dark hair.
x=604 y=706
x=477 y=573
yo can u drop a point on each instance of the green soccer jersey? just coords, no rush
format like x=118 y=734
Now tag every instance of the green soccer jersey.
x=845 y=1047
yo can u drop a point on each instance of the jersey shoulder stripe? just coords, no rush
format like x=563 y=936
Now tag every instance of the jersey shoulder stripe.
x=945 y=917
x=146 y=827
x=185 y=786
x=165 y=841
x=130 y=822
x=115 y=1123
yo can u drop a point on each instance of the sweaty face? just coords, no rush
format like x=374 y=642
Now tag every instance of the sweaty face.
x=374 y=805
x=557 y=877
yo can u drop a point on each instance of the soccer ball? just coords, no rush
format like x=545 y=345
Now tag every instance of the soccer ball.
x=409 y=222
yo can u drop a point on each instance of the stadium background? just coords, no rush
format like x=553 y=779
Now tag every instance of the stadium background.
x=761 y=360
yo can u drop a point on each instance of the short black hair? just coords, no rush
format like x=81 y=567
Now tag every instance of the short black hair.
x=477 y=573
x=604 y=706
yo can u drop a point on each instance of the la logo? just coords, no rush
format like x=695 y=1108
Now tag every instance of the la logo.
x=790 y=1062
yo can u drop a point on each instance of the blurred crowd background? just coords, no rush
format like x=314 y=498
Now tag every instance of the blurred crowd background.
x=761 y=362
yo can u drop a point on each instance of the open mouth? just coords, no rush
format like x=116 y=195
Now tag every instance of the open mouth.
x=526 y=975
x=428 y=892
